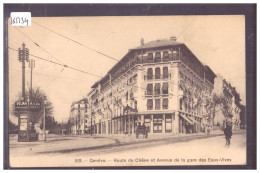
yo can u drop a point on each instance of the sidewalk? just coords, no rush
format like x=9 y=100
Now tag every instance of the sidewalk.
x=68 y=143
x=56 y=143
x=126 y=139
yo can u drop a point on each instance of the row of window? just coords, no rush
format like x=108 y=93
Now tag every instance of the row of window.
x=158 y=55
x=119 y=111
x=193 y=63
x=158 y=104
x=130 y=81
x=157 y=73
x=189 y=81
x=157 y=123
x=157 y=88
x=191 y=108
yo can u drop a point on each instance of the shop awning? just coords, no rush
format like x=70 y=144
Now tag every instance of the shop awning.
x=186 y=118
x=192 y=119
x=129 y=109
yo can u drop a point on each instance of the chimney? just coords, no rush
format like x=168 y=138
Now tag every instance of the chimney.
x=173 y=38
x=142 y=41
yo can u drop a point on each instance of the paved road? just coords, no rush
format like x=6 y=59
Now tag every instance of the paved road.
x=118 y=146
x=96 y=151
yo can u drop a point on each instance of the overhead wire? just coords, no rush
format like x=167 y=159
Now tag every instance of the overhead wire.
x=57 y=33
x=37 y=45
x=60 y=64
x=81 y=44
x=186 y=27
x=86 y=47
x=51 y=75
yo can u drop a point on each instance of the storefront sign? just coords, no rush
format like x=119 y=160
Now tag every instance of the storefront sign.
x=22 y=105
x=23 y=116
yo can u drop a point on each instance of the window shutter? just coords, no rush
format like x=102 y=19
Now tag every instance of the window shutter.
x=150 y=73
x=149 y=104
x=149 y=89
x=157 y=87
x=157 y=73
x=165 y=103
x=165 y=88
x=165 y=72
x=157 y=104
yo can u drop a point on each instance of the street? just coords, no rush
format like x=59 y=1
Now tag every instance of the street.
x=84 y=150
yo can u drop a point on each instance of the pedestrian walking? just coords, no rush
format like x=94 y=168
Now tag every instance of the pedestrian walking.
x=137 y=129
x=228 y=133
x=145 y=131
x=207 y=129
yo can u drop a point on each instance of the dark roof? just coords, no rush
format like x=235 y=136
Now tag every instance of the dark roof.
x=85 y=100
x=236 y=94
x=158 y=43
x=151 y=44
x=96 y=83
x=208 y=68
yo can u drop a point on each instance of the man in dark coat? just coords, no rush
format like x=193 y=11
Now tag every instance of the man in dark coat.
x=228 y=133
x=138 y=129
x=144 y=129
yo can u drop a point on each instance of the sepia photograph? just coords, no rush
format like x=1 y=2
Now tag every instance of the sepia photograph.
x=116 y=91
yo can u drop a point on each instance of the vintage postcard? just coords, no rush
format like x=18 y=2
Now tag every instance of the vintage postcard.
x=112 y=91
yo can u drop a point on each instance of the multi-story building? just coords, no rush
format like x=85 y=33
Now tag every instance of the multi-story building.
x=78 y=117
x=243 y=117
x=161 y=84
x=230 y=107
x=236 y=109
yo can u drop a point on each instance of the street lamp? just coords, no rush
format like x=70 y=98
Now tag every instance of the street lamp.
x=44 y=117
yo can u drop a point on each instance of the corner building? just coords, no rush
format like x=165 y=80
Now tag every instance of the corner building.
x=161 y=84
x=78 y=119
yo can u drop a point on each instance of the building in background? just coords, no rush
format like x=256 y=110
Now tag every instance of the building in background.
x=230 y=107
x=161 y=84
x=243 y=117
x=78 y=117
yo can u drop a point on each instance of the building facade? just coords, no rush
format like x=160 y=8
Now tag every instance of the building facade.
x=78 y=117
x=230 y=108
x=161 y=84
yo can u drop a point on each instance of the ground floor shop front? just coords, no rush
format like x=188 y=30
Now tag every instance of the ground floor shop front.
x=155 y=124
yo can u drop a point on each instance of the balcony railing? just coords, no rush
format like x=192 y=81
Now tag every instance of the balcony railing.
x=170 y=57
x=156 y=77
x=142 y=60
x=153 y=93
x=105 y=85
x=94 y=96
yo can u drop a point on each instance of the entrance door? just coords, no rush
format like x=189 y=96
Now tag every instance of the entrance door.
x=157 y=124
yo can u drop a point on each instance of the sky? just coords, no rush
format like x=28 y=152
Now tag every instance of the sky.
x=217 y=41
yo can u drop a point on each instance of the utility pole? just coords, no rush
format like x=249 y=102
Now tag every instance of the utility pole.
x=44 y=119
x=23 y=55
x=32 y=66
